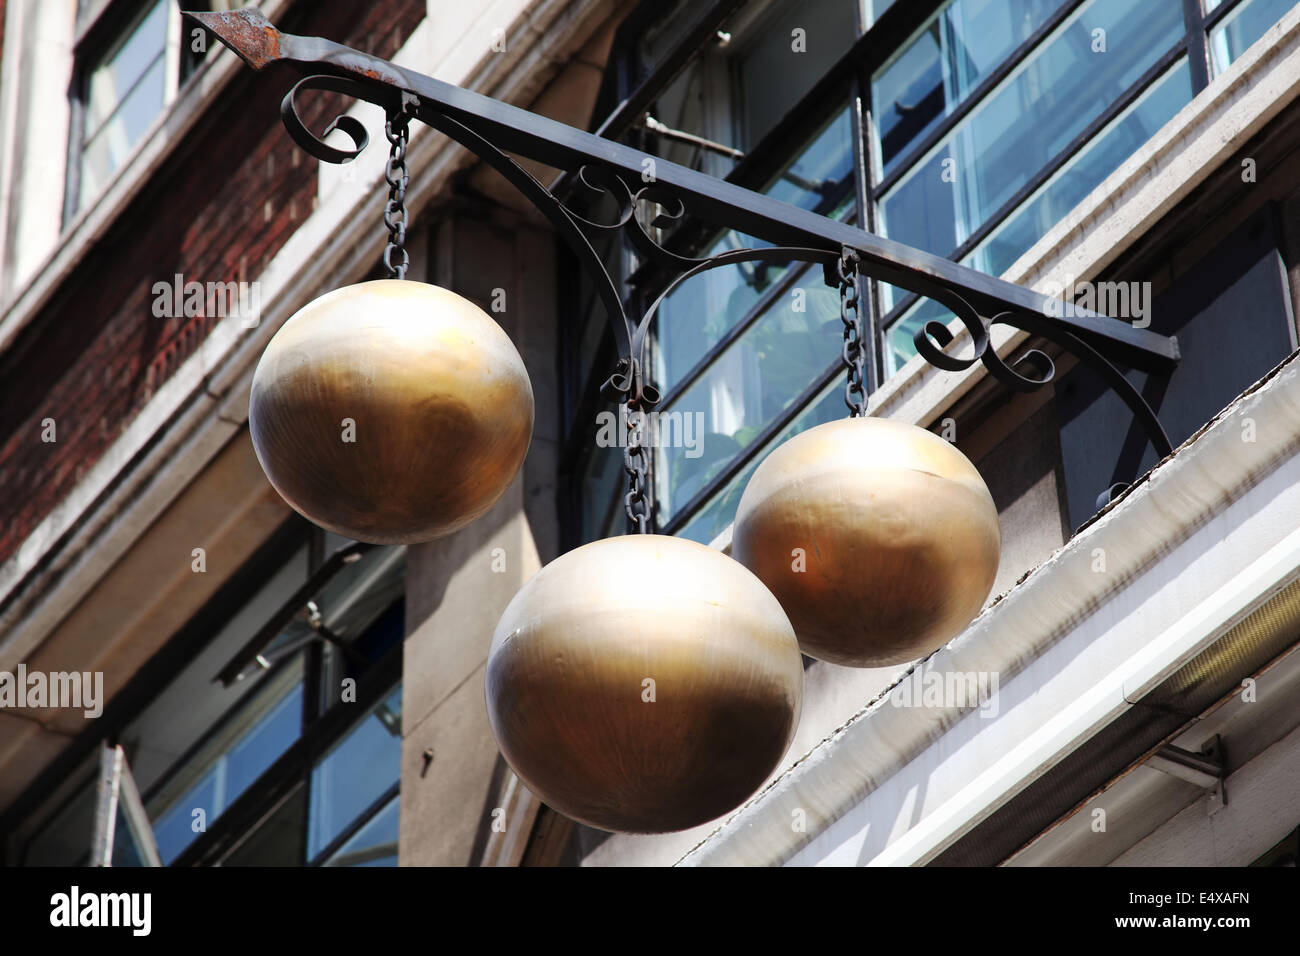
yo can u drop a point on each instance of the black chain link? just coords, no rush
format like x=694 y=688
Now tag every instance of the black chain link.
x=637 y=502
x=854 y=355
x=395 y=174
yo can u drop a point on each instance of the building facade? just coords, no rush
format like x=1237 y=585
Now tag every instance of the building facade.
x=277 y=694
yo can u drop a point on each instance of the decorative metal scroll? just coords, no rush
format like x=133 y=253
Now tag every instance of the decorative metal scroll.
x=628 y=383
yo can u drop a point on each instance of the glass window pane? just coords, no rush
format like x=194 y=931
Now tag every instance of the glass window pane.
x=126 y=852
x=1085 y=171
x=706 y=307
x=112 y=79
x=277 y=840
x=355 y=773
x=112 y=144
x=775 y=67
x=239 y=752
x=193 y=703
x=899 y=347
x=1051 y=202
x=711 y=520
x=1242 y=27
x=375 y=844
x=768 y=366
x=735 y=94
x=934 y=72
x=1045 y=103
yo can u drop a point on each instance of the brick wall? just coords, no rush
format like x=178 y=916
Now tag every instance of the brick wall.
x=222 y=206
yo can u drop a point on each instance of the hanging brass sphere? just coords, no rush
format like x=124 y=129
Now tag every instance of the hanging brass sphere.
x=644 y=684
x=880 y=539
x=391 y=411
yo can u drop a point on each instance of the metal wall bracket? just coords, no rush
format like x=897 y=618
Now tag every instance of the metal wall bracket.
x=639 y=181
x=1206 y=769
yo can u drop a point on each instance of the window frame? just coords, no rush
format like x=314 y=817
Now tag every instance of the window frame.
x=62 y=784
x=875 y=43
x=99 y=26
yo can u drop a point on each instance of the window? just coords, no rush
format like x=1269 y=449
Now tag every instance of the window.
x=983 y=125
x=1023 y=142
x=930 y=76
x=131 y=59
x=256 y=751
x=1033 y=116
x=355 y=786
x=1242 y=26
x=739 y=89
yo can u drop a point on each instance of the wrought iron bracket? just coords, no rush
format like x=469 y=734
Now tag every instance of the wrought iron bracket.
x=652 y=192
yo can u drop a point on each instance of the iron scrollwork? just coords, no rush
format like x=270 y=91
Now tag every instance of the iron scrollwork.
x=629 y=384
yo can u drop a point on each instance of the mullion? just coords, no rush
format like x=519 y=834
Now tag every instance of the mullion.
x=1047 y=171
x=1198 y=53
x=975 y=98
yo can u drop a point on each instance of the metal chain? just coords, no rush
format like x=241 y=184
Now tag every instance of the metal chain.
x=396 y=128
x=636 y=503
x=854 y=355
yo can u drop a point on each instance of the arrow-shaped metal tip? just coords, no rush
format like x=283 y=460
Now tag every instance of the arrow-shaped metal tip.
x=245 y=31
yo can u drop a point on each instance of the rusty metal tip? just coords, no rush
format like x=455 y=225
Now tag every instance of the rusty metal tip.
x=246 y=31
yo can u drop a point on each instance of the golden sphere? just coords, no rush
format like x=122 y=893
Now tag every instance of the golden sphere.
x=880 y=539
x=644 y=684
x=391 y=411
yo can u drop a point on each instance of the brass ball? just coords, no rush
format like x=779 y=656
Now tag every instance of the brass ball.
x=644 y=684
x=391 y=411
x=880 y=539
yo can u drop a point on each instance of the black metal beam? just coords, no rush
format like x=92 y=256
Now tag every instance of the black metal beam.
x=726 y=205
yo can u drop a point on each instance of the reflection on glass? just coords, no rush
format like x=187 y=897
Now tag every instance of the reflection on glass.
x=375 y=844
x=711 y=520
x=1042 y=210
x=1085 y=171
x=1045 y=103
x=360 y=768
x=932 y=74
x=899 y=345
x=116 y=74
x=780 y=60
x=124 y=93
x=698 y=314
x=735 y=94
x=1243 y=26
x=768 y=366
x=263 y=728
